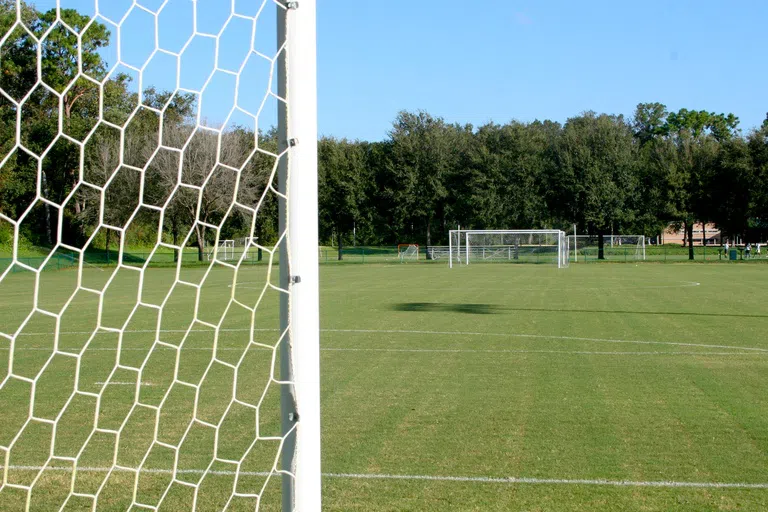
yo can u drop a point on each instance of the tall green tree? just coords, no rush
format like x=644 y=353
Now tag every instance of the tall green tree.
x=421 y=157
x=734 y=187
x=757 y=142
x=594 y=181
x=659 y=182
x=500 y=184
x=650 y=122
x=61 y=54
x=696 y=136
x=341 y=190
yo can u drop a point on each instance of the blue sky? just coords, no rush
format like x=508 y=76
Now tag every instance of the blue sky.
x=201 y=65
x=480 y=60
x=474 y=61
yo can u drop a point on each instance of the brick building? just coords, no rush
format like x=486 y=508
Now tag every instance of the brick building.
x=700 y=232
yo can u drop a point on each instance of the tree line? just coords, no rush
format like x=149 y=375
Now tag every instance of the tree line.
x=102 y=164
x=604 y=173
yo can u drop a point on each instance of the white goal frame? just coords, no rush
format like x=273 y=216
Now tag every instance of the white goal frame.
x=461 y=251
x=299 y=267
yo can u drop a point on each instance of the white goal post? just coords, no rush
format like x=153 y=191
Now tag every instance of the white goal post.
x=548 y=246
x=624 y=246
x=160 y=383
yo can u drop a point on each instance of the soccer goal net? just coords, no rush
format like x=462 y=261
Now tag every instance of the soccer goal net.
x=225 y=251
x=509 y=246
x=164 y=383
x=616 y=247
x=407 y=252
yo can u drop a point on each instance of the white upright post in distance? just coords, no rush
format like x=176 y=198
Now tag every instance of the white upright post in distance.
x=299 y=310
x=466 y=246
x=575 y=254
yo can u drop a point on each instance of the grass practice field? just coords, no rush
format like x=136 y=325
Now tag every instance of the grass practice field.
x=489 y=388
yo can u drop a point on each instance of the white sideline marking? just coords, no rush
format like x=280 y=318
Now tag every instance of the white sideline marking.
x=552 y=481
x=66 y=469
x=433 y=333
x=123 y=383
x=684 y=284
x=546 y=336
x=575 y=352
x=417 y=350
x=433 y=478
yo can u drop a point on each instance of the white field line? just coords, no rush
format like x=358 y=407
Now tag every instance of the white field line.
x=684 y=284
x=431 y=478
x=545 y=336
x=123 y=383
x=552 y=481
x=419 y=350
x=512 y=351
x=437 y=333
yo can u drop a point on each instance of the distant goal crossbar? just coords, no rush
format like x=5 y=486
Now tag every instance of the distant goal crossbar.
x=545 y=246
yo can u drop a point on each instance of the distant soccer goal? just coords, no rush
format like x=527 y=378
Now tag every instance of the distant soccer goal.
x=225 y=251
x=624 y=247
x=508 y=246
x=246 y=242
x=407 y=252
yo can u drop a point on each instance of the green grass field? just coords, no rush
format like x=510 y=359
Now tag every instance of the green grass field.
x=604 y=387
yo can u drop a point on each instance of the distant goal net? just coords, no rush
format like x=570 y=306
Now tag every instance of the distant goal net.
x=615 y=247
x=408 y=252
x=225 y=251
x=508 y=246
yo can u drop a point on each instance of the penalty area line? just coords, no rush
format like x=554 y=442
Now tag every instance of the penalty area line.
x=121 y=383
x=551 y=481
x=543 y=336
x=430 y=478
x=407 y=350
x=432 y=333
x=523 y=351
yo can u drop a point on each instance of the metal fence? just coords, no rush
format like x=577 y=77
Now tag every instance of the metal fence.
x=189 y=258
x=383 y=255
x=63 y=260
x=667 y=253
x=362 y=255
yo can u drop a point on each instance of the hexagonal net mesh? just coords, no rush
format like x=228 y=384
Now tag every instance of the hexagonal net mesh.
x=140 y=346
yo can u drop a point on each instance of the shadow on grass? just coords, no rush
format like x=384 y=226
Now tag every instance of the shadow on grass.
x=494 y=309
x=628 y=312
x=442 y=307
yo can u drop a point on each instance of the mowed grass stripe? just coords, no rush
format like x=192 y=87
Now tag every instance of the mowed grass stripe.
x=477 y=373
x=563 y=428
